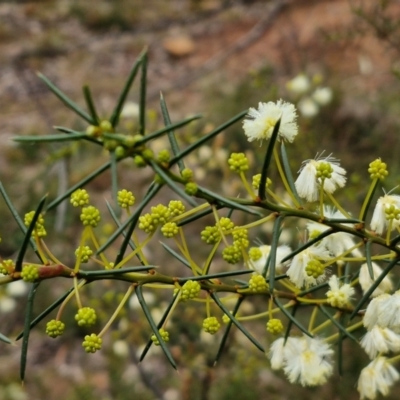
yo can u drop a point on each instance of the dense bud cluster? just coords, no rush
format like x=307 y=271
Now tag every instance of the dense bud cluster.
x=125 y=198
x=86 y=316
x=274 y=326
x=80 y=198
x=257 y=283
x=90 y=216
x=92 y=343
x=211 y=325
x=164 y=336
x=232 y=254
x=39 y=229
x=55 y=328
x=378 y=169
x=170 y=229
x=85 y=252
x=190 y=290
x=7 y=267
x=238 y=162
x=30 y=273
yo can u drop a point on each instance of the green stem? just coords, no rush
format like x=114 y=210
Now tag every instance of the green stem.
x=283 y=177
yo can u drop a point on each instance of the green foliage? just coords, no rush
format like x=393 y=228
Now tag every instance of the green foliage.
x=197 y=272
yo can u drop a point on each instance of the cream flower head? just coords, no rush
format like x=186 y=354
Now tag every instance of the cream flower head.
x=260 y=123
x=379 y=220
x=376 y=377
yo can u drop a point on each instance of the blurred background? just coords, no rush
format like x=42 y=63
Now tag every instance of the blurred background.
x=337 y=60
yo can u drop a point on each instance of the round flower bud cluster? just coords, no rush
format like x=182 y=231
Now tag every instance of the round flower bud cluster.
x=257 y=180
x=176 y=207
x=86 y=252
x=125 y=198
x=255 y=253
x=187 y=174
x=39 y=226
x=226 y=224
x=314 y=268
x=55 y=328
x=30 y=273
x=238 y=162
x=378 y=169
x=257 y=283
x=92 y=343
x=392 y=212
x=191 y=188
x=80 y=198
x=90 y=216
x=232 y=254
x=190 y=290
x=159 y=215
x=226 y=319
x=7 y=267
x=324 y=170
x=86 y=316
x=146 y=223
x=210 y=234
x=139 y=161
x=164 y=336
x=164 y=156
x=170 y=229
x=240 y=238
x=211 y=325
x=274 y=326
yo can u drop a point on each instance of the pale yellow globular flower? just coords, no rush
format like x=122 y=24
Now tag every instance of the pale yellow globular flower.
x=281 y=253
x=379 y=222
x=339 y=295
x=375 y=308
x=377 y=377
x=322 y=95
x=338 y=242
x=300 y=84
x=389 y=315
x=260 y=123
x=380 y=340
x=308 y=184
x=366 y=282
x=305 y=360
x=308 y=108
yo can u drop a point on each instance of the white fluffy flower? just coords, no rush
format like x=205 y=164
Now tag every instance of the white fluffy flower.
x=322 y=96
x=300 y=84
x=307 y=361
x=374 y=310
x=338 y=242
x=376 y=377
x=308 y=107
x=366 y=282
x=307 y=183
x=339 y=296
x=277 y=352
x=379 y=221
x=281 y=253
x=388 y=313
x=380 y=340
x=297 y=270
x=260 y=122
